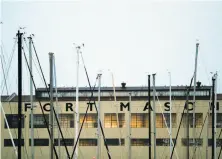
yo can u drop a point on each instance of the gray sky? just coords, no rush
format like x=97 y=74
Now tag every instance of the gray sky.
x=130 y=38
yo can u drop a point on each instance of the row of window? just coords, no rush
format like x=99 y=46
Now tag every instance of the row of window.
x=112 y=142
x=138 y=120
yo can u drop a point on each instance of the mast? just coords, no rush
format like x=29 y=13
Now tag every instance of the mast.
x=154 y=115
x=188 y=134
x=19 y=94
x=98 y=121
x=194 y=100
x=76 y=113
x=207 y=123
x=149 y=117
x=129 y=129
x=170 y=117
x=215 y=117
x=212 y=114
x=51 y=57
x=31 y=98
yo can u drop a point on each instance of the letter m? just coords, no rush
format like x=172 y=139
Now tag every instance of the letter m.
x=122 y=105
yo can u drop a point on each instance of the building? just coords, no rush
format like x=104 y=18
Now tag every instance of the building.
x=109 y=109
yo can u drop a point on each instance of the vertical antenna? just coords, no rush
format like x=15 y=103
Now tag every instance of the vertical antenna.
x=76 y=113
x=213 y=113
x=19 y=94
x=31 y=97
x=194 y=101
x=149 y=117
x=154 y=115
x=51 y=57
x=170 y=117
x=98 y=120
x=129 y=128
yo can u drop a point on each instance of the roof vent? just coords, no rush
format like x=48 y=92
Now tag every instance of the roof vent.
x=123 y=85
x=198 y=84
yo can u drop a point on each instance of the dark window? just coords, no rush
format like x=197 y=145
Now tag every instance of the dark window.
x=87 y=142
x=198 y=142
x=90 y=121
x=110 y=120
x=115 y=142
x=164 y=142
x=13 y=120
x=66 y=120
x=139 y=142
x=8 y=142
x=218 y=144
x=38 y=120
x=69 y=142
x=219 y=120
x=139 y=120
x=40 y=142
x=198 y=120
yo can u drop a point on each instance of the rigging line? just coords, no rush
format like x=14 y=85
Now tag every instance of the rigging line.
x=165 y=121
x=200 y=134
x=9 y=65
x=104 y=138
x=47 y=125
x=84 y=118
x=181 y=117
x=33 y=61
x=57 y=121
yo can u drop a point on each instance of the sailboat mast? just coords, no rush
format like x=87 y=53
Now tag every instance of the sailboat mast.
x=31 y=97
x=51 y=56
x=170 y=116
x=154 y=115
x=215 y=117
x=98 y=120
x=194 y=100
x=76 y=113
x=212 y=114
x=188 y=131
x=129 y=128
x=19 y=94
x=149 y=117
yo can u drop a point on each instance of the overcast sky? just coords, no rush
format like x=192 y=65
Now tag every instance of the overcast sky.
x=129 y=38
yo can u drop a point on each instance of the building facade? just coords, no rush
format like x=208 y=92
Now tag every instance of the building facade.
x=116 y=131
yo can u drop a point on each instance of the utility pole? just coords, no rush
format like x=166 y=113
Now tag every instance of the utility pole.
x=212 y=114
x=51 y=57
x=31 y=98
x=19 y=94
x=170 y=117
x=76 y=113
x=150 y=146
x=188 y=134
x=129 y=128
x=154 y=115
x=98 y=120
x=194 y=101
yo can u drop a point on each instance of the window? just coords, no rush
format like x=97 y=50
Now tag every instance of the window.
x=69 y=142
x=8 y=142
x=111 y=120
x=164 y=142
x=160 y=122
x=39 y=121
x=115 y=142
x=40 y=142
x=139 y=142
x=198 y=142
x=66 y=120
x=198 y=120
x=219 y=120
x=87 y=142
x=13 y=120
x=90 y=121
x=139 y=120
x=218 y=144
